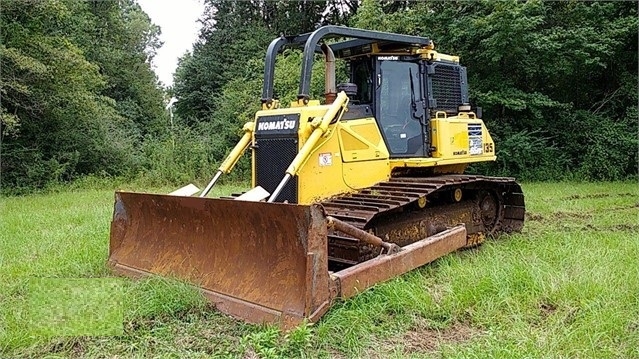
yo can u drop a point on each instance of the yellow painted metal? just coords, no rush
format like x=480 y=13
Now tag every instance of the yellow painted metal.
x=451 y=141
x=433 y=55
x=467 y=115
x=364 y=174
x=320 y=126
x=458 y=194
x=457 y=168
x=327 y=167
x=321 y=177
x=352 y=142
x=303 y=103
x=346 y=156
x=273 y=105
x=426 y=52
x=326 y=172
x=361 y=140
x=239 y=148
x=436 y=162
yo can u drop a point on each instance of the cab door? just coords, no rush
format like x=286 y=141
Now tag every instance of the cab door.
x=400 y=106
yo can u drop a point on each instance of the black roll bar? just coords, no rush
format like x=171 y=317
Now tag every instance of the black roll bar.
x=311 y=41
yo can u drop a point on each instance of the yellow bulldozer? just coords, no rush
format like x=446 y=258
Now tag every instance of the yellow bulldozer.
x=346 y=193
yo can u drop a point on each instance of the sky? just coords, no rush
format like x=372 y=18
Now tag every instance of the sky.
x=178 y=22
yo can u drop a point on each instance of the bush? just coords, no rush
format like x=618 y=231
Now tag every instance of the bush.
x=608 y=149
x=527 y=155
x=189 y=154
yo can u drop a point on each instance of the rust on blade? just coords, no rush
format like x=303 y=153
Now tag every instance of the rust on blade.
x=262 y=262
x=357 y=278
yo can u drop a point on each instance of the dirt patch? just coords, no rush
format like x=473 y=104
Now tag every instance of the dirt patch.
x=425 y=339
x=563 y=215
x=599 y=195
x=624 y=228
x=636 y=205
x=557 y=216
x=250 y=354
x=422 y=338
x=547 y=309
x=614 y=228
x=586 y=196
x=534 y=217
x=334 y=354
x=74 y=347
x=566 y=315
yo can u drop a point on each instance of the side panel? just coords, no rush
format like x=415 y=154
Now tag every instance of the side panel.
x=321 y=175
x=461 y=138
x=361 y=140
x=364 y=174
x=352 y=156
x=364 y=153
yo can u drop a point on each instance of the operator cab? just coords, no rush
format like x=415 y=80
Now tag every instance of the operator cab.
x=405 y=91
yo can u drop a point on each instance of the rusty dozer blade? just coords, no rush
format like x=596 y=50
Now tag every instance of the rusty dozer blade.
x=258 y=261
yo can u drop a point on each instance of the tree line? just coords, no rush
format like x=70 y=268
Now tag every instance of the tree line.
x=557 y=82
x=78 y=95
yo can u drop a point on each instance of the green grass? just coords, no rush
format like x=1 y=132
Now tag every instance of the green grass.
x=52 y=307
x=567 y=286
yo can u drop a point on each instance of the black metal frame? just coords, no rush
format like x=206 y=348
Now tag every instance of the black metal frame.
x=311 y=42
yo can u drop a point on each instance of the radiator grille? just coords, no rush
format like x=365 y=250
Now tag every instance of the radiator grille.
x=447 y=88
x=272 y=158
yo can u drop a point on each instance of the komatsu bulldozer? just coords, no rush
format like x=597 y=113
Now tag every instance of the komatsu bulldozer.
x=348 y=192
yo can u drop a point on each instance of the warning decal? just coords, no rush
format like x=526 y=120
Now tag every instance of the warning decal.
x=325 y=159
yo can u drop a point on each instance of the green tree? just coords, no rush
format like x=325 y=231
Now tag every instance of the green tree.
x=216 y=59
x=559 y=75
x=122 y=40
x=70 y=73
x=233 y=33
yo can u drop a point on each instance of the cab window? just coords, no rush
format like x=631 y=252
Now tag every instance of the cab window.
x=362 y=76
x=403 y=133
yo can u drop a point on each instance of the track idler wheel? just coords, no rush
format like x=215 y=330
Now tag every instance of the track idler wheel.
x=489 y=209
x=488 y=215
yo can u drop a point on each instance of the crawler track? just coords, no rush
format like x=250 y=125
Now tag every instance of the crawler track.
x=406 y=209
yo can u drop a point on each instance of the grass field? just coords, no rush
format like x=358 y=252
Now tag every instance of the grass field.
x=567 y=286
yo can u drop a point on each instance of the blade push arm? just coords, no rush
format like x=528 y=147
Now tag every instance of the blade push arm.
x=233 y=157
x=320 y=127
